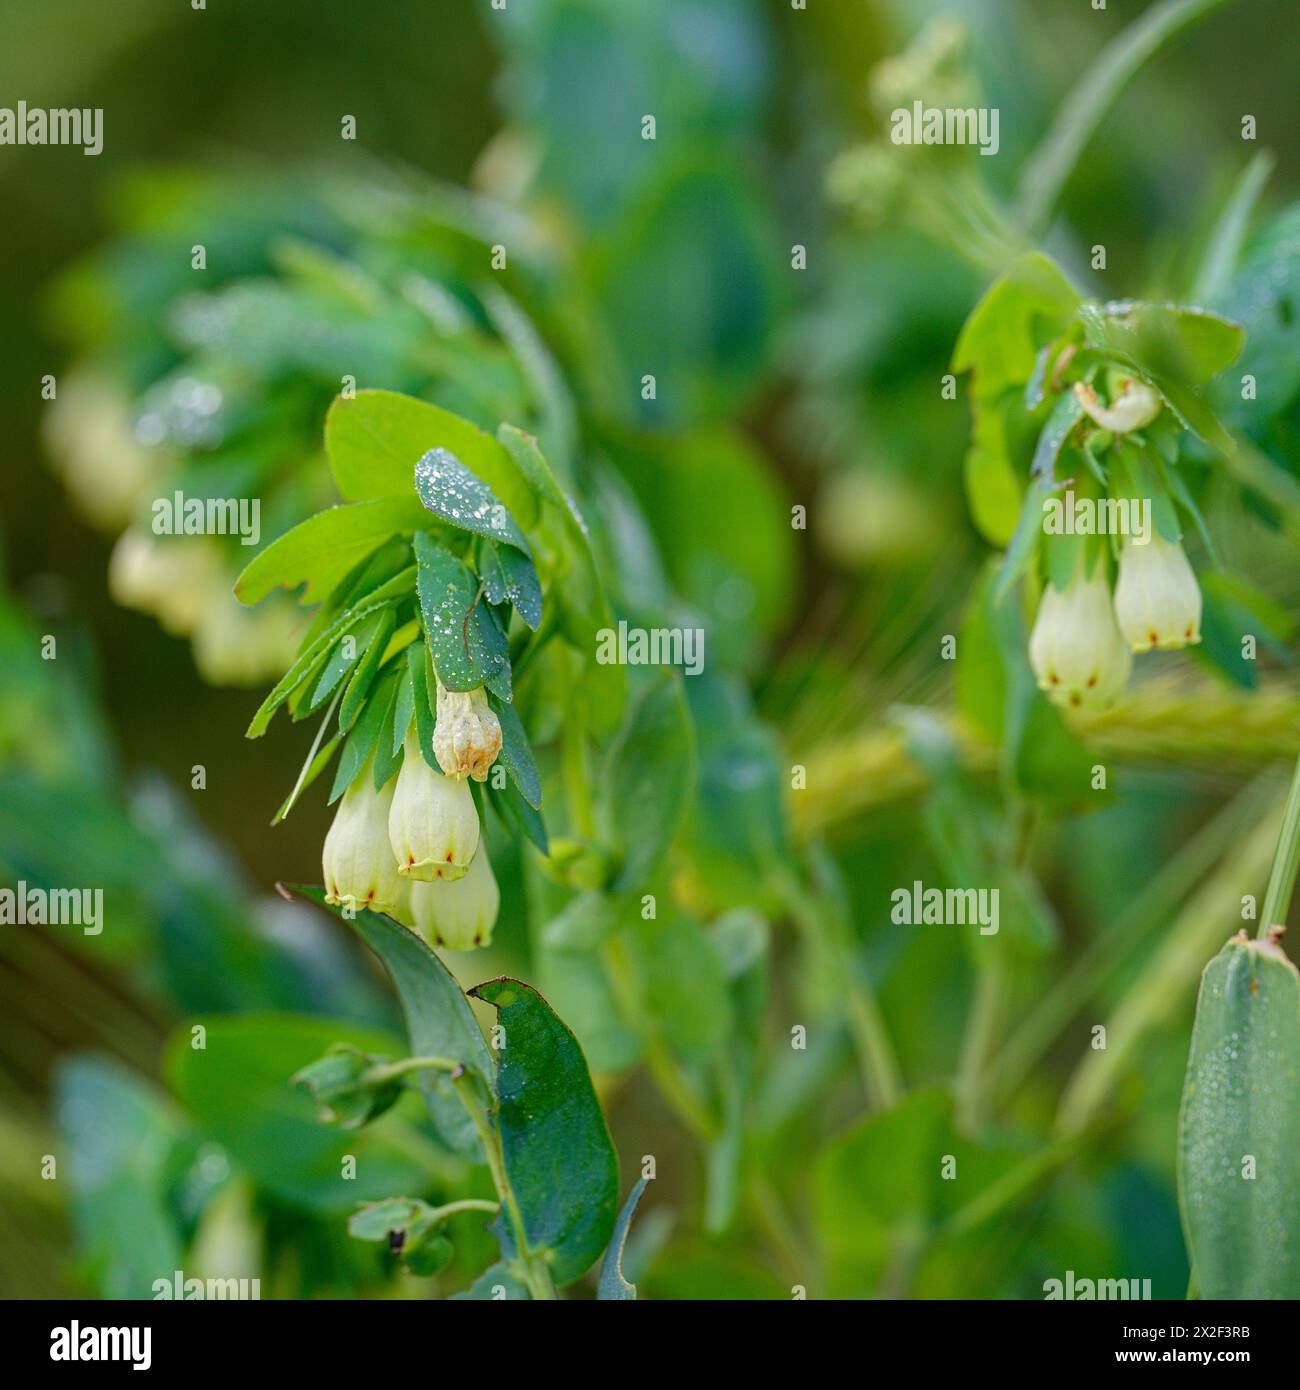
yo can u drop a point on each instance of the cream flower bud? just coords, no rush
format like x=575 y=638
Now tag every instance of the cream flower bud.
x=92 y=442
x=467 y=737
x=234 y=645
x=1157 y=598
x=1135 y=406
x=360 y=871
x=432 y=823
x=177 y=579
x=1076 y=650
x=458 y=915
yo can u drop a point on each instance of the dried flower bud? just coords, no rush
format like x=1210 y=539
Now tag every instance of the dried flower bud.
x=1133 y=409
x=467 y=737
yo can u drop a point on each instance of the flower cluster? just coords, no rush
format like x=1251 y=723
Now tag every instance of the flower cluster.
x=411 y=848
x=1083 y=636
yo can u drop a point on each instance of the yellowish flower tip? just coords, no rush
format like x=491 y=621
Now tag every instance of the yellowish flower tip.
x=1077 y=653
x=458 y=915
x=467 y=736
x=432 y=824
x=1157 y=598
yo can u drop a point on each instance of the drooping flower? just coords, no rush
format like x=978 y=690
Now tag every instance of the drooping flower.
x=432 y=823
x=241 y=646
x=177 y=579
x=1077 y=653
x=92 y=442
x=360 y=871
x=1157 y=598
x=1133 y=408
x=467 y=737
x=461 y=914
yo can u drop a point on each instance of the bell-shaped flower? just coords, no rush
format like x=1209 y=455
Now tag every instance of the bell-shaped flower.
x=360 y=870
x=1077 y=653
x=467 y=737
x=1157 y=598
x=461 y=914
x=432 y=823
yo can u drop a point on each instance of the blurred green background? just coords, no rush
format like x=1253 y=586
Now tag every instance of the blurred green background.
x=778 y=387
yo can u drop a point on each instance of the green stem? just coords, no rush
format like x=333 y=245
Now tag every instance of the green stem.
x=536 y=1273
x=875 y=1052
x=983 y=1026
x=1281 y=882
x=450 y=1209
x=393 y=1071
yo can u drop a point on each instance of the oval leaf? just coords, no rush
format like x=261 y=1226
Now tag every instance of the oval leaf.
x=1239 y=1130
x=558 y=1155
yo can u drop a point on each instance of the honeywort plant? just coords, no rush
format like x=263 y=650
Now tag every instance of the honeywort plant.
x=640 y=836
x=1097 y=449
x=204 y=368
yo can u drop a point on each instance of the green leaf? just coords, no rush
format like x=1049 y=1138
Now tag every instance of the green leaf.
x=421 y=700
x=685 y=990
x=517 y=813
x=648 y=780
x=516 y=753
x=306 y=662
x=885 y=1180
x=367 y=668
x=454 y=494
x=467 y=646
x=364 y=734
x=118 y=1132
x=611 y=1285
x=1023 y=309
x=496 y=1283
x=375 y=439
x=559 y=1158
x=238 y=1089
x=1165 y=342
x=1223 y=249
x=1024 y=544
x=1066 y=413
x=510 y=576
x=439 y=1022
x=993 y=490
x=320 y=552
x=423 y=1249
x=343 y=661
x=1239 y=1129
x=388 y=746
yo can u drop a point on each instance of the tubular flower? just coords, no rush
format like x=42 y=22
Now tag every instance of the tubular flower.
x=1134 y=407
x=1157 y=598
x=360 y=870
x=432 y=823
x=467 y=737
x=1076 y=650
x=458 y=915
